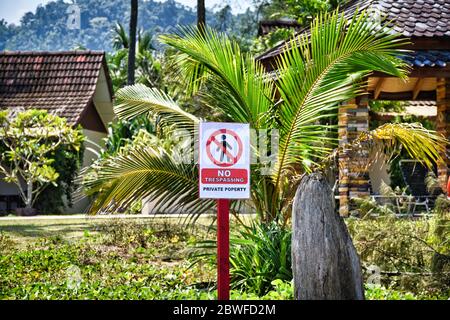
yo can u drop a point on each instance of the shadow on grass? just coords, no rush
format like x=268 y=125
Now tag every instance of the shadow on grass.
x=48 y=230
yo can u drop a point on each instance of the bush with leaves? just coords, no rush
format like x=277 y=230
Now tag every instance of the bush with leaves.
x=259 y=254
x=34 y=145
x=404 y=250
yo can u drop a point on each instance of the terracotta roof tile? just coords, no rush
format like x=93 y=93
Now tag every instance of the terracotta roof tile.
x=412 y=18
x=62 y=82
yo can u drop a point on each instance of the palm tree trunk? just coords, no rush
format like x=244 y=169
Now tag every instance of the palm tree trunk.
x=132 y=50
x=201 y=14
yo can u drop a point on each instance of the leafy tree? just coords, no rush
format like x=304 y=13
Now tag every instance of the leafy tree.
x=121 y=133
x=5 y=32
x=301 y=10
x=29 y=142
x=47 y=29
x=315 y=76
x=147 y=64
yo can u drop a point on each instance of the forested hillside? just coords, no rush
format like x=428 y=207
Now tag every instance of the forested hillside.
x=48 y=28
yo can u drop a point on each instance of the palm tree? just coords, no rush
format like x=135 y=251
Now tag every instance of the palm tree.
x=201 y=14
x=132 y=42
x=146 y=65
x=315 y=76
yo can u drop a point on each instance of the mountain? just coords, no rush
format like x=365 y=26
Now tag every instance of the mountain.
x=88 y=24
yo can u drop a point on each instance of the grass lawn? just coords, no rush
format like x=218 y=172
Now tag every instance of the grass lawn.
x=25 y=231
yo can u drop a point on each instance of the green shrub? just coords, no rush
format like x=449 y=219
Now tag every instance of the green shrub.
x=259 y=254
x=6 y=243
x=404 y=251
x=124 y=233
x=377 y=292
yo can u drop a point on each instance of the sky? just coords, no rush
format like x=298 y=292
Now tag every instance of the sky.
x=13 y=10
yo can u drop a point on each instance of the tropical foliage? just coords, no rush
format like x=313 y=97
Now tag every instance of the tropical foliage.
x=133 y=259
x=316 y=74
x=47 y=28
x=301 y=10
x=259 y=254
x=29 y=142
x=147 y=64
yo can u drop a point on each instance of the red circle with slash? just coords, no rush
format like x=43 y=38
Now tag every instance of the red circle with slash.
x=212 y=141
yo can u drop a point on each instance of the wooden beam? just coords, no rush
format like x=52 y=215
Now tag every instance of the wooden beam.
x=422 y=96
x=441 y=128
x=423 y=72
x=378 y=88
x=418 y=87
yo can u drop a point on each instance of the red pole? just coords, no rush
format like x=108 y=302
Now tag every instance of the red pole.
x=223 y=249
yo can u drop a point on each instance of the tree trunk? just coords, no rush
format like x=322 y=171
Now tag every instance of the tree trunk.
x=201 y=14
x=29 y=199
x=132 y=50
x=325 y=263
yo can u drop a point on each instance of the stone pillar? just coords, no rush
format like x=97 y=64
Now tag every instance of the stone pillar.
x=353 y=166
x=344 y=158
x=442 y=125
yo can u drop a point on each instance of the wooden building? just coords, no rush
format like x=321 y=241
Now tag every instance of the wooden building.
x=427 y=24
x=75 y=85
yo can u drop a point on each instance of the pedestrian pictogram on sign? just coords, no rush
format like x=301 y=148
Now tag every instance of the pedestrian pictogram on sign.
x=224 y=160
x=220 y=150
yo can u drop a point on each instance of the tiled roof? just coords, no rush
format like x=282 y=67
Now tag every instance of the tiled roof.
x=268 y=26
x=411 y=18
x=61 y=82
x=417 y=18
x=428 y=58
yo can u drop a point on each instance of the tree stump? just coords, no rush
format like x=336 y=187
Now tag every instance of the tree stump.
x=325 y=263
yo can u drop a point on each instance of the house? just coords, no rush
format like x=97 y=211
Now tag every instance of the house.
x=75 y=85
x=267 y=26
x=427 y=24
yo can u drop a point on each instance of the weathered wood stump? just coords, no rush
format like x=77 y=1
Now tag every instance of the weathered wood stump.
x=325 y=263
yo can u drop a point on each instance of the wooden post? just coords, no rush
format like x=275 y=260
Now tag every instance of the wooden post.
x=325 y=263
x=223 y=249
x=442 y=101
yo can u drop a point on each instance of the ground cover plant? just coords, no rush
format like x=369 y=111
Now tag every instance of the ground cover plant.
x=151 y=259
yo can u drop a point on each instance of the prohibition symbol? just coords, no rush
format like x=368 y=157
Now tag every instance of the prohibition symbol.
x=220 y=148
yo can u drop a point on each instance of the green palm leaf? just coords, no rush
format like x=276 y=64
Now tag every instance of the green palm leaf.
x=317 y=73
x=420 y=143
x=137 y=100
x=320 y=72
x=246 y=94
x=148 y=171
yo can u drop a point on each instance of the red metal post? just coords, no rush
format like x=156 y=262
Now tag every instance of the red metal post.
x=223 y=249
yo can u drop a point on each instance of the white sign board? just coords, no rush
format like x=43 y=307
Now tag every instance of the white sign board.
x=224 y=155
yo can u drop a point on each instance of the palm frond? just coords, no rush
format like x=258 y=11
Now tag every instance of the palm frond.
x=137 y=100
x=247 y=93
x=421 y=144
x=121 y=39
x=145 y=171
x=321 y=71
